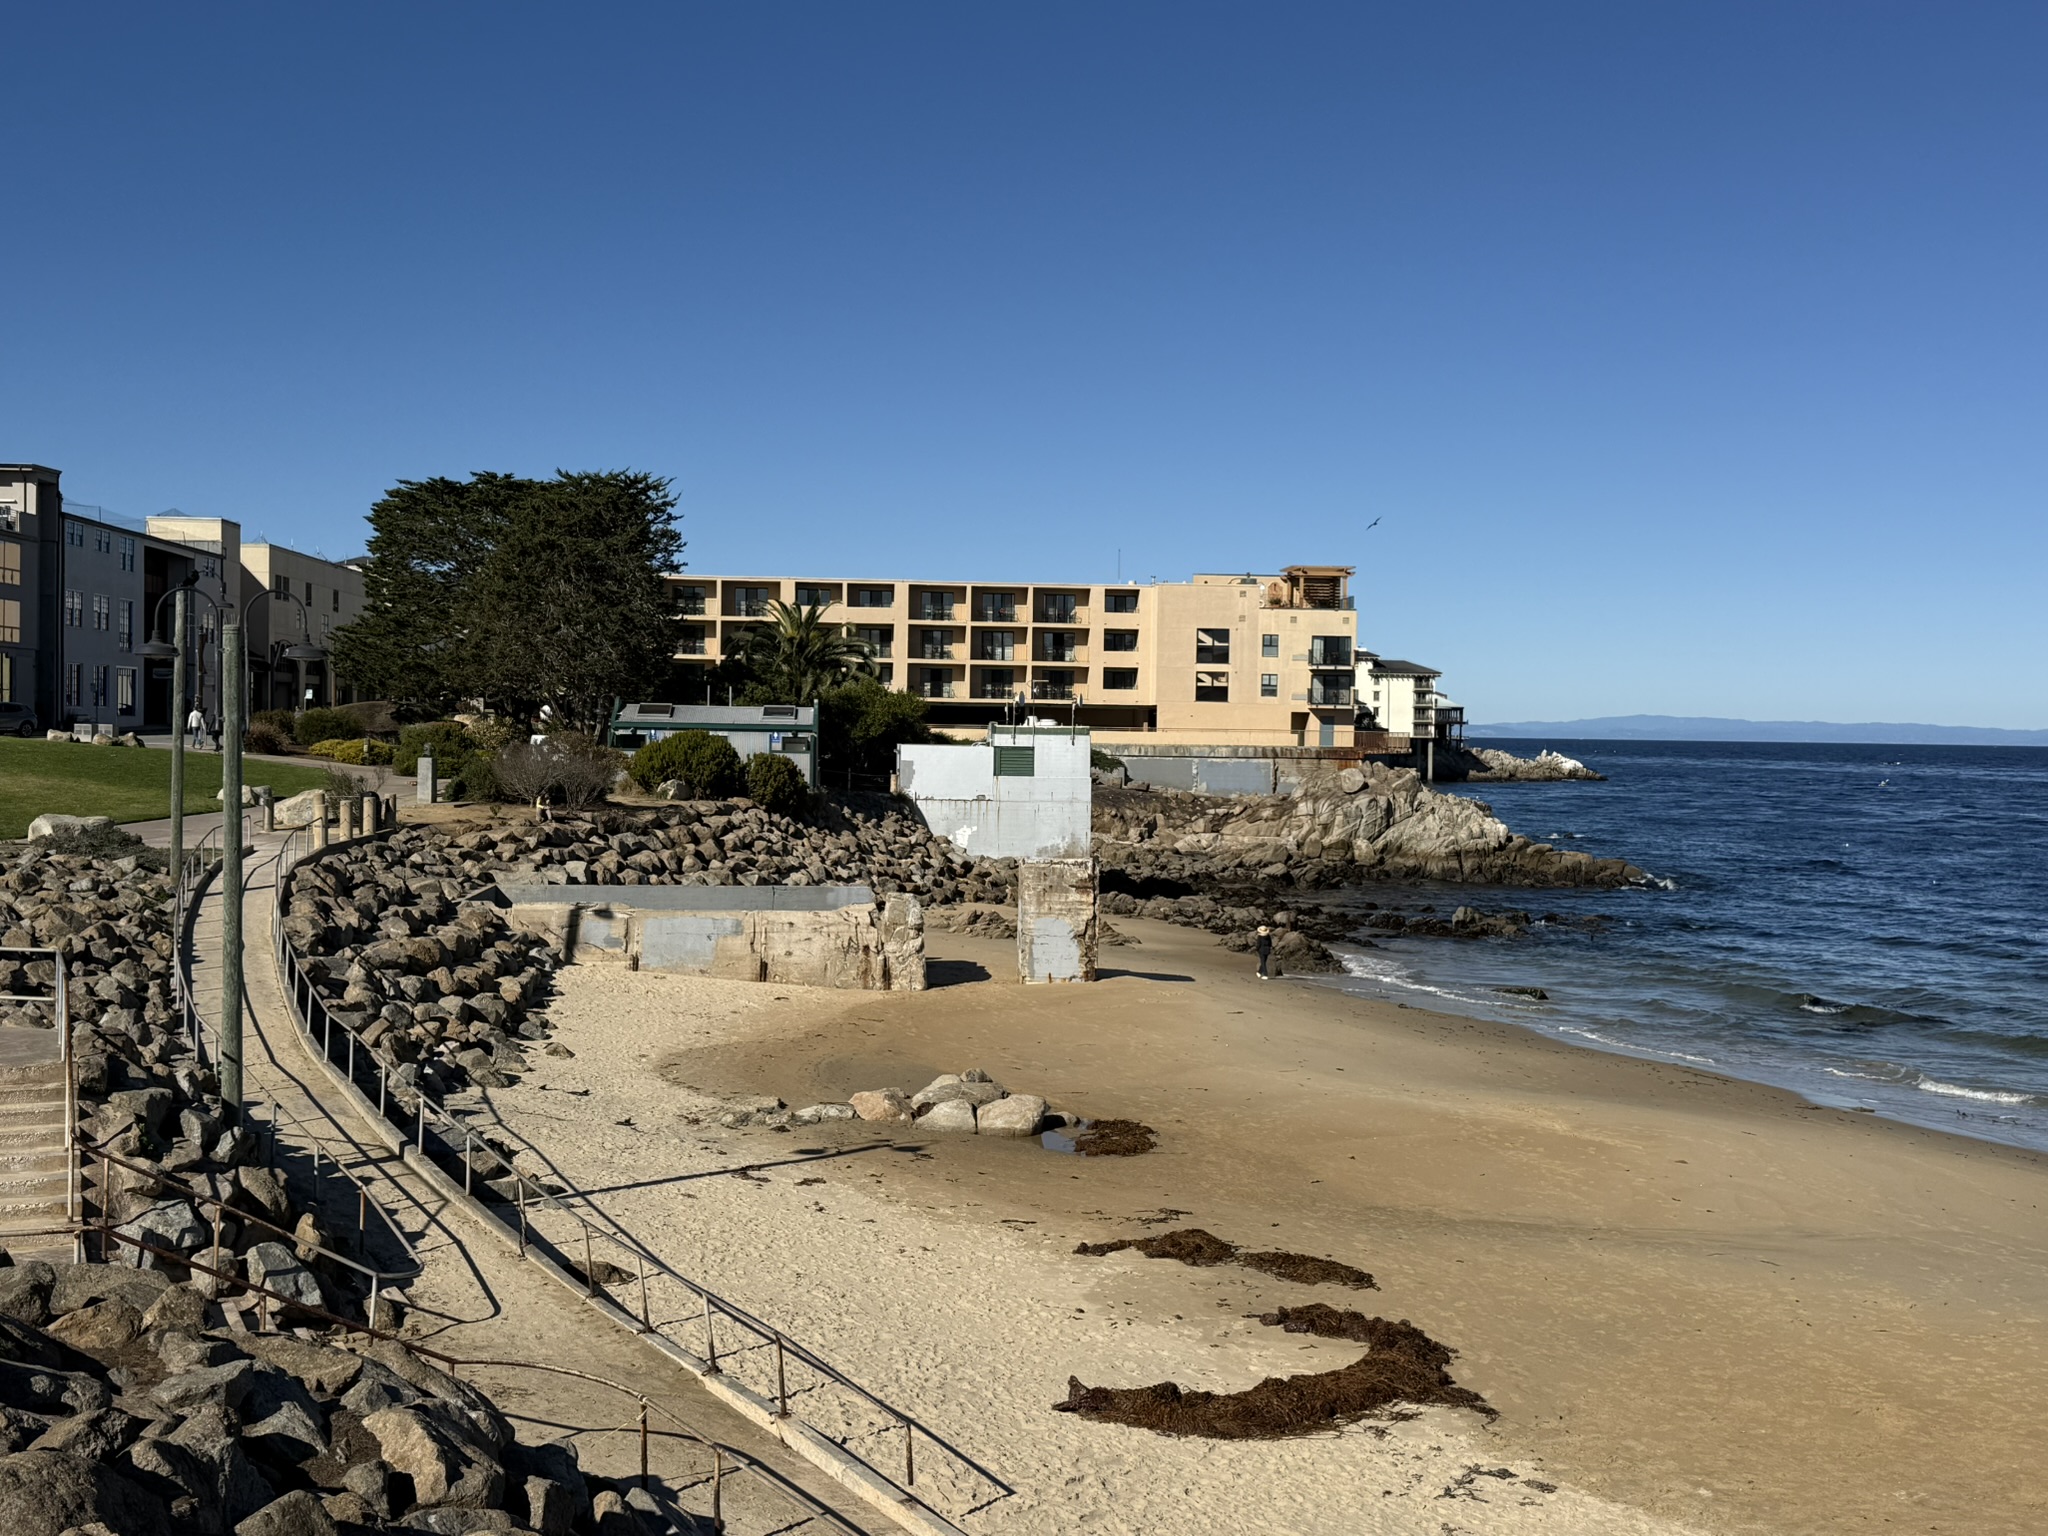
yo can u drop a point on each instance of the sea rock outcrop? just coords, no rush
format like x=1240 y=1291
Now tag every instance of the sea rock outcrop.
x=1391 y=827
x=1490 y=765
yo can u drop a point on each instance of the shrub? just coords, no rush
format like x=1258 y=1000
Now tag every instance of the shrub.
x=443 y=740
x=361 y=751
x=314 y=726
x=475 y=780
x=569 y=767
x=279 y=720
x=707 y=765
x=860 y=726
x=264 y=738
x=1106 y=762
x=776 y=784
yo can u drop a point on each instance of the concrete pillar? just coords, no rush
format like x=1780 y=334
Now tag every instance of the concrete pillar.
x=319 y=818
x=1056 y=919
x=426 y=773
x=371 y=805
x=267 y=803
x=345 y=817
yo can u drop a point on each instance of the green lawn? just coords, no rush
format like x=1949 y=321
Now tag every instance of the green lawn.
x=126 y=783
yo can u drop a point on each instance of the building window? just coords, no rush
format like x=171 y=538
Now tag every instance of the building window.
x=102 y=611
x=102 y=542
x=209 y=567
x=127 y=553
x=1056 y=608
x=815 y=597
x=10 y=620
x=750 y=602
x=998 y=683
x=880 y=639
x=1212 y=646
x=280 y=583
x=885 y=674
x=995 y=645
x=10 y=563
x=690 y=640
x=1269 y=645
x=935 y=605
x=337 y=599
x=937 y=684
x=124 y=690
x=10 y=516
x=689 y=600
x=936 y=645
x=1119 y=677
x=74 y=608
x=127 y=624
x=74 y=535
x=1058 y=684
x=1120 y=602
x=1212 y=687
x=1329 y=651
x=309 y=594
x=74 y=683
x=1059 y=647
x=1269 y=685
x=874 y=597
x=99 y=687
x=1119 y=639
x=998 y=608
x=6 y=676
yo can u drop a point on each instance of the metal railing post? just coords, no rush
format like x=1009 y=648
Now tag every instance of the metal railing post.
x=589 y=1273
x=645 y=1325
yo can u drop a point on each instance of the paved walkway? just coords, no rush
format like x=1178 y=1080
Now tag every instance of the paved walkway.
x=476 y=1299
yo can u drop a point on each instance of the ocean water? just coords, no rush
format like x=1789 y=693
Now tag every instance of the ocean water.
x=1867 y=925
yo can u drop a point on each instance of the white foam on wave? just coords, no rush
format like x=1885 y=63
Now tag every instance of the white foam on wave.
x=1982 y=1095
x=1824 y=1007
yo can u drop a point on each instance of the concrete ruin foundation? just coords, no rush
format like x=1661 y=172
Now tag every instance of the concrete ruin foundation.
x=806 y=936
x=1056 y=919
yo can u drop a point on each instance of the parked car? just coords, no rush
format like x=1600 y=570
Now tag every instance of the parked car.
x=18 y=720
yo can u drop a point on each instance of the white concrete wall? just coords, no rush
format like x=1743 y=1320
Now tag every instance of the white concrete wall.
x=1043 y=816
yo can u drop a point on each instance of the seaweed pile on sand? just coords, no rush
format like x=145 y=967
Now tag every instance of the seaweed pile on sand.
x=1192 y=1245
x=1404 y=1366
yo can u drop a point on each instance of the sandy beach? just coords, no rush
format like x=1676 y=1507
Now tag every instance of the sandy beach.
x=1696 y=1304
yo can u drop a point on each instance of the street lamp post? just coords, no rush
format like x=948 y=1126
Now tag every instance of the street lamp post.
x=233 y=681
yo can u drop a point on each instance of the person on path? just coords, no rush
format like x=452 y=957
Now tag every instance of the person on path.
x=1265 y=949
x=195 y=730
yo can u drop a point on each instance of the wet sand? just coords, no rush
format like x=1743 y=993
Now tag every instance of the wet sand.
x=1696 y=1303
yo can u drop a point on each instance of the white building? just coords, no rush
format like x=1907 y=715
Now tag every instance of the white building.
x=1024 y=793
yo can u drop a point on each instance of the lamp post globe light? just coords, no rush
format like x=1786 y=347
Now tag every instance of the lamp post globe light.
x=234 y=669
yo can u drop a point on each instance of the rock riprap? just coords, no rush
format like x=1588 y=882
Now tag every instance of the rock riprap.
x=160 y=1423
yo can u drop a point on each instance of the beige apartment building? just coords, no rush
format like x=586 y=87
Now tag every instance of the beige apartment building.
x=1218 y=660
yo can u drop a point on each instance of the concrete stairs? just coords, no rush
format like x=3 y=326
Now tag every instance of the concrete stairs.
x=34 y=1161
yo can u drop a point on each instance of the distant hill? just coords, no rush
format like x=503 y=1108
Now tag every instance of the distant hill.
x=1708 y=728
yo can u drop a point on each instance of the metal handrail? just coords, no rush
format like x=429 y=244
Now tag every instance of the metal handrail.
x=306 y=1003
x=197 y=1024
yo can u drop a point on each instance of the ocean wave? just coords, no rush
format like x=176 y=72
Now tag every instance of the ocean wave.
x=1983 y=1095
x=1907 y=1077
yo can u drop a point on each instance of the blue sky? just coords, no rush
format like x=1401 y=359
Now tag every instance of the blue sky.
x=1692 y=356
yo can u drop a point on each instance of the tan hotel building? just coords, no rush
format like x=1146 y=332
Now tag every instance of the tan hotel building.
x=1236 y=660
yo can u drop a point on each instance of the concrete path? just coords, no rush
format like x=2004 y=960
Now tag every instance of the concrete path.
x=475 y=1299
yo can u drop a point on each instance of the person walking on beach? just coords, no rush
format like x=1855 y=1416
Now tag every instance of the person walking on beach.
x=1265 y=949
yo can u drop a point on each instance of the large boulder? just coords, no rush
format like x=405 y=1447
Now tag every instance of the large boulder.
x=949 y=1115
x=50 y=825
x=446 y=1465
x=298 y=1513
x=44 y=1493
x=881 y=1104
x=277 y=1269
x=1020 y=1114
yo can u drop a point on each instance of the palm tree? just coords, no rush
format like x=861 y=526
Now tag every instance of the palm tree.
x=796 y=655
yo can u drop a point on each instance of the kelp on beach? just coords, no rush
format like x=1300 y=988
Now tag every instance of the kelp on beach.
x=1404 y=1365
x=1192 y=1245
